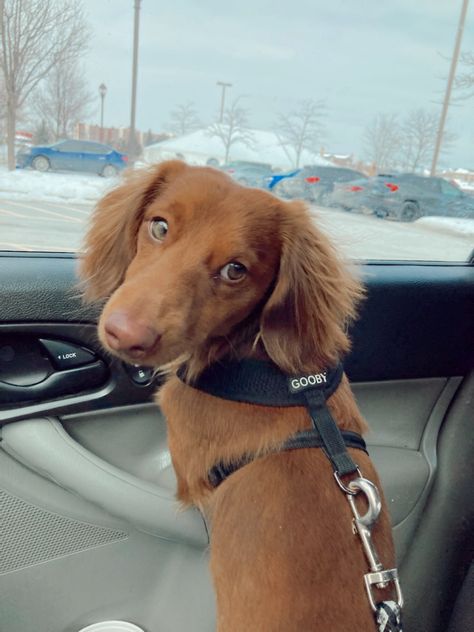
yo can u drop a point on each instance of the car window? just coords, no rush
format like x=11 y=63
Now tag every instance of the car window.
x=94 y=148
x=449 y=189
x=68 y=145
x=266 y=95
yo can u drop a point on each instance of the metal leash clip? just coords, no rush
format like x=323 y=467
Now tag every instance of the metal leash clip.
x=363 y=526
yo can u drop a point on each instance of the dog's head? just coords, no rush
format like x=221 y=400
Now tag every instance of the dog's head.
x=192 y=264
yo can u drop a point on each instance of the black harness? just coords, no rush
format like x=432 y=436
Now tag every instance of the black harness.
x=263 y=383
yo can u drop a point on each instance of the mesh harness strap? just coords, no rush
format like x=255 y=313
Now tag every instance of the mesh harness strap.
x=304 y=439
x=262 y=383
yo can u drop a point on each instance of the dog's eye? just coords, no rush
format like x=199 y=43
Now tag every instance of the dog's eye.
x=158 y=228
x=233 y=271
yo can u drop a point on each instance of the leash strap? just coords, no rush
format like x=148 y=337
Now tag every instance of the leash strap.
x=333 y=441
x=388 y=617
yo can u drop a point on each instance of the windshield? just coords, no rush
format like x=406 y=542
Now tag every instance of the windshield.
x=310 y=100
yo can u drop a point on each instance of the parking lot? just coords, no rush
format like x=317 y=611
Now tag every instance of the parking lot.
x=50 y=212
x=42 y=225
x=31 y=225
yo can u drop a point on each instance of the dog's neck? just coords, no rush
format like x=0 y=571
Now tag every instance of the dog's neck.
x=243 y=343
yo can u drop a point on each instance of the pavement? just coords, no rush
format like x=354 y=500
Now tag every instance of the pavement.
x=40 y=225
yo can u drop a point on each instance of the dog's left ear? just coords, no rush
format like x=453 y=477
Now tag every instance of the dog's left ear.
x=304 y=322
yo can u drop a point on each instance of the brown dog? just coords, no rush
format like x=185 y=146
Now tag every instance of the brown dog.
x=196 y=269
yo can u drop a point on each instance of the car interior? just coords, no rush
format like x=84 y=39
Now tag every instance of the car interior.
x=91 y=530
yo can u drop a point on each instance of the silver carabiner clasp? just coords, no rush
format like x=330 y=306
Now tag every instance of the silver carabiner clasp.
x=363 y=524
x=373 y=501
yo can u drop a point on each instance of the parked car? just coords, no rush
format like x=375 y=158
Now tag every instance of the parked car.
x=314 y=182
x=251 y=174
x=73 y=155
x=404 y=197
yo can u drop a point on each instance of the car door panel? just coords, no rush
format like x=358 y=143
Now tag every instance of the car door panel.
x=45 y=447
x=87 y=480
x=70 y=564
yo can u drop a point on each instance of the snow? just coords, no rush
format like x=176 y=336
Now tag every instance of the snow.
x=468 y=187
x=198 y=147
x=452 y=225
x=26 y=184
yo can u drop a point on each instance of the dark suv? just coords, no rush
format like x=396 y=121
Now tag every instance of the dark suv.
x=404 y=197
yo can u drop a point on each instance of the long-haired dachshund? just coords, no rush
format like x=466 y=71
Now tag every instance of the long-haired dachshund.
x=200 y=274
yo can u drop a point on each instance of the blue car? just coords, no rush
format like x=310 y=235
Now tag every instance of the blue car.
x=73 y=155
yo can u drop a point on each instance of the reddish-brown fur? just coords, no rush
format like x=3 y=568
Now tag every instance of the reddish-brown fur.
x=283 y=553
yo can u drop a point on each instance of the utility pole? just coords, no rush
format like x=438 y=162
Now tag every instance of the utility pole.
x=131 y=138
x=224 y=86
x=449 y=87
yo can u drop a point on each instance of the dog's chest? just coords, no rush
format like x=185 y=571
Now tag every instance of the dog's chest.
x=204 y=430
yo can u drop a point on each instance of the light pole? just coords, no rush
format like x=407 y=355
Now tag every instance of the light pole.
x=449 y=87
x=102 y=92
x=223 y=86
x=131 y=138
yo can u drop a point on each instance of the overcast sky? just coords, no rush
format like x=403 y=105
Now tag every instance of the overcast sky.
x=360 y=57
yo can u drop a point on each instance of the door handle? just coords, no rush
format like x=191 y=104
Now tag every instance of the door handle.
x=71 y=381
x=34 y=368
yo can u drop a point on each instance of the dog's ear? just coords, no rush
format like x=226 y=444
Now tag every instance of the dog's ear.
x=110 y=243
x=304 y=322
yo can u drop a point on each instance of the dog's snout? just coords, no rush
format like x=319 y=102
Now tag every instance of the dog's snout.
x=124 y=333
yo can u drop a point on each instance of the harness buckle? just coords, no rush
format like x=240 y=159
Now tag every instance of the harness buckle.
x=383 y=578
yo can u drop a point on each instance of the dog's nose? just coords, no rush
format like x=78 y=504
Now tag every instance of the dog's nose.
x=123 y=333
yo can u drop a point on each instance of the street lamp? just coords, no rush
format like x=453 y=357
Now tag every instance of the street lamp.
x=224 y=86
x=102 y=92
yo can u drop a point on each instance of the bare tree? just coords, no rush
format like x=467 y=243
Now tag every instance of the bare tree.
x=35 y=36
x=41 y=133
x=302 y=129
x=382 y=141
x=233 y=130
x=418 y=138
x=63 y=99
x=184 y=119
x=465 y=80
x=3 y=109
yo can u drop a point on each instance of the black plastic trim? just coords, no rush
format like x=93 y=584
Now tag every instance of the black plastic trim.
x=113 y=387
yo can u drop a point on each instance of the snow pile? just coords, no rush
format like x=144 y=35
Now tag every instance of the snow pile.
x=200 y=148
x=451 y=225
x=25 y=184
x=468 y=187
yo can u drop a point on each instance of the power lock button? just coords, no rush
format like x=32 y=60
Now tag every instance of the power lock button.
x=65 y=355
